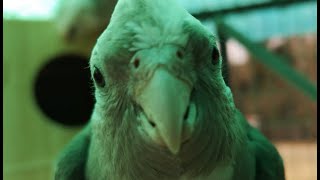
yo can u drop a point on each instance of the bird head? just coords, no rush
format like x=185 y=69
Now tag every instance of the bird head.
x=159 y=89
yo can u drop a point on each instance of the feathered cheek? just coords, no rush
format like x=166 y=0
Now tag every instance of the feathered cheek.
x=229 y=96
x=117 y=71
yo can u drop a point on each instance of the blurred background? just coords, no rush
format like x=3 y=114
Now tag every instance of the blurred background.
x=269 y=51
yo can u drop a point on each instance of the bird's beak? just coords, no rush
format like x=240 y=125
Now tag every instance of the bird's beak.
x=165 y=100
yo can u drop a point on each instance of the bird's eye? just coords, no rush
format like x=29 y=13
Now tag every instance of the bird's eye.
x=98 y=77
x=215 y=55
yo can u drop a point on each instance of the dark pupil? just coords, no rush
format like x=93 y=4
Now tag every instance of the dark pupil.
x=98 y=78
x=215 y=55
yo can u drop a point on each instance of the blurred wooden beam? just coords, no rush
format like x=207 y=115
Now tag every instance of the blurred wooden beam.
x=246 y=8
x=272 y=61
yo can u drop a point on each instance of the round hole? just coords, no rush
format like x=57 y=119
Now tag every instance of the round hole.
x=63 y=90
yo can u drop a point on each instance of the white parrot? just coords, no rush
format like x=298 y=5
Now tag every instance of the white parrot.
x=162 y=108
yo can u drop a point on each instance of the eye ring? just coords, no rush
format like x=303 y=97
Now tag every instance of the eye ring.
x=98 y=77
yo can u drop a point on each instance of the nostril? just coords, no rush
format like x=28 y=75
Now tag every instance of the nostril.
x=152 y=123
x=179 y=54
x=136 y=62
x=186 y=114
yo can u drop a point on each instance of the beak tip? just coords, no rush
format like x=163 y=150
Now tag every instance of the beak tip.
x=174 y=149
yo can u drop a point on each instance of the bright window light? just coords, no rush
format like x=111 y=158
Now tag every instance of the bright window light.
x=237 y=54
x=28 y=9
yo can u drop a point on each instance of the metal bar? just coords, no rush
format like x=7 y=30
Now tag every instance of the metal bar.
x=242 y=9
x=272 y=61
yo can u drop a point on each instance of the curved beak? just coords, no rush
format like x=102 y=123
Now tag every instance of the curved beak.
x=165 y=100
